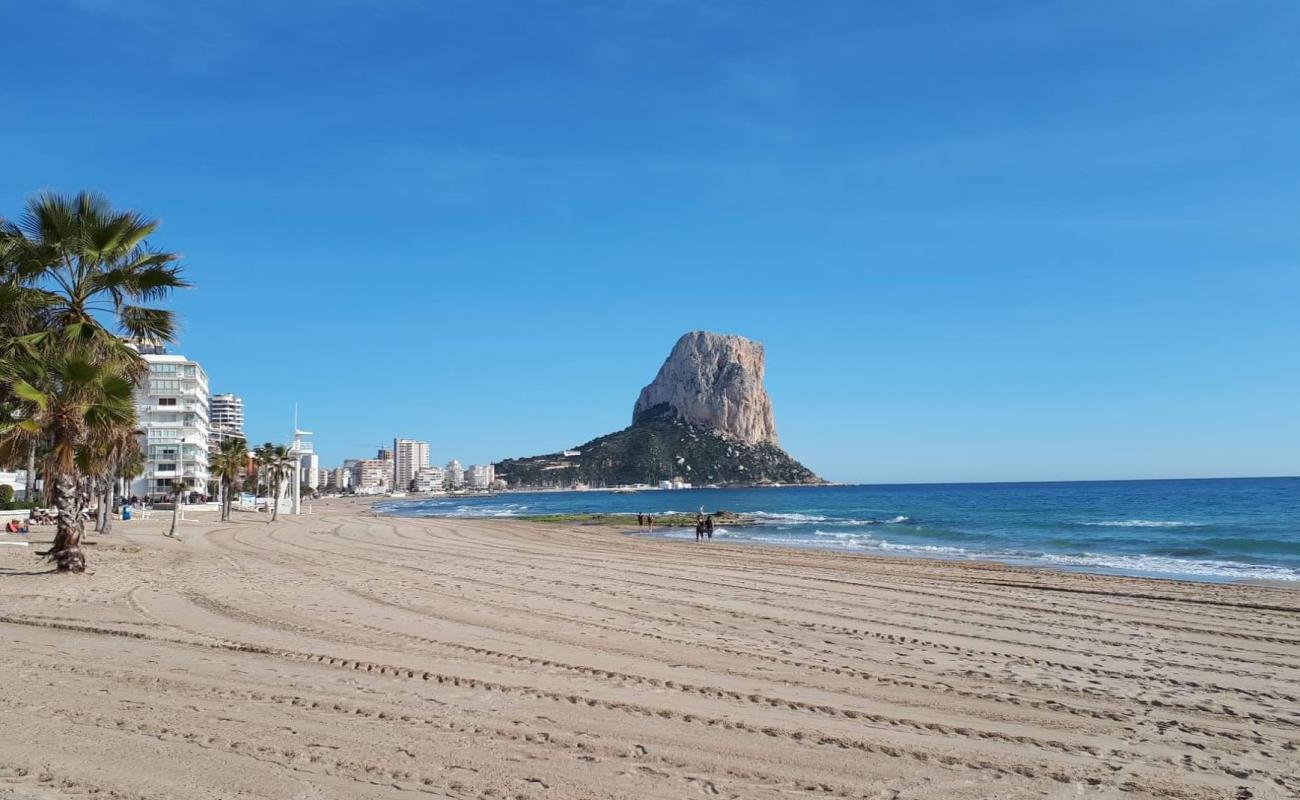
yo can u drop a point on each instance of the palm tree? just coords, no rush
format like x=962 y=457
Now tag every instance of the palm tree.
x=84 y=261
x=22 y=312
x=70 y=266
x=262 y=458
x=108 y=452
x=226 y=465
x=280 y=463
x=77 y=398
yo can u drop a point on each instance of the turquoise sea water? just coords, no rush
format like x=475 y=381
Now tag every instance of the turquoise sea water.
x=1229 y=529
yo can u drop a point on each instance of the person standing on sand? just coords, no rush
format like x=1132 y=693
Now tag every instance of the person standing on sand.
x=708 y=526
x=650 y=522
x=699 y=529
x=640 y=520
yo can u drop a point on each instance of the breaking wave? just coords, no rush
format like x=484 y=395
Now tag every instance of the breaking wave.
x=1141 y=523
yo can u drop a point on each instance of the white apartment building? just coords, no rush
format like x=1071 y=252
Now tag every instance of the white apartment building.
x=373 y=475
x=342 y=476
x=455 y=474
x=16 y=481
x=225 y=417
x=310 y=469
x=480 y=476
x=172 y=404
x=430 y=479
x=409 y=457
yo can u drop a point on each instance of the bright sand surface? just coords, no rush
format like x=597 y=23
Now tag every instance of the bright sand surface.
x=347 y=655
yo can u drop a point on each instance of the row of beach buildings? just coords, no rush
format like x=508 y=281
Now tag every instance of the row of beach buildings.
x=405 y=467
x=182 y=422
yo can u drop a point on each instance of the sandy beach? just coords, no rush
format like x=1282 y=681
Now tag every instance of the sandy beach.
x=350 y=655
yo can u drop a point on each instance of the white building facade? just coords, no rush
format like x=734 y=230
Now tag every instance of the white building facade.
x=373 y=475
x=479 y=476
x=348 y=476
x=310 y=469
x=455 y=474
x=225 y=417
x=172 y=406
x=16 y=481
x=409 y=457
x=430 y=479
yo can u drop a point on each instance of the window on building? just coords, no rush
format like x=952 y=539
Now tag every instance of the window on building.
x=166 y=467
x=166 y=401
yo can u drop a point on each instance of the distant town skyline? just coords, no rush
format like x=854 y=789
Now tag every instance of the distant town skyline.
x=979 y=243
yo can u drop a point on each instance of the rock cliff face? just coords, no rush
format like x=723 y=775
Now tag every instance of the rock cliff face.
x=716 y=382
x=705 y=419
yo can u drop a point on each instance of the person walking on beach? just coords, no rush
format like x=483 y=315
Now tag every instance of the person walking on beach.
x=650 y=521
x=640 y=520
x=708 y=526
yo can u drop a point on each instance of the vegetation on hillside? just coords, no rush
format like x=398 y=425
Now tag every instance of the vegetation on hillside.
x=659 y=447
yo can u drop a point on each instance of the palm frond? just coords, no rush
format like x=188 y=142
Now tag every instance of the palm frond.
x=147 y=323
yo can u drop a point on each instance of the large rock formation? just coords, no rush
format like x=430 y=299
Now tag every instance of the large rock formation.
x=716 y=382
x=705 y=419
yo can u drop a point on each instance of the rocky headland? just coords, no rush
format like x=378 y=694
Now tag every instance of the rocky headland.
x=705 y=419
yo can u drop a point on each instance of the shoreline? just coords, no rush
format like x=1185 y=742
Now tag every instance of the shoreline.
x=595 y=521
x=681 y=521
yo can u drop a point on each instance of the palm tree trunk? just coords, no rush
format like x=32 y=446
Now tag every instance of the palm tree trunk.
x=97 y=492
x=66 y=552
x=107 y=504
x=30 y=488
x=176 y=509
x=275 y=509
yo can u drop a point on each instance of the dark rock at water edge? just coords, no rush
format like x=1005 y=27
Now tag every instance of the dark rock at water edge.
x=659 y=446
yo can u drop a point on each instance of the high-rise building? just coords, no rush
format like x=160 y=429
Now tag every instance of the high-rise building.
x=480 y=476
x=172 y=406
x=226 y=416
x=373 y=475
x=384 y=454
x=310 y=469
x=342 y=478
x=455 y=474
x=409 y=457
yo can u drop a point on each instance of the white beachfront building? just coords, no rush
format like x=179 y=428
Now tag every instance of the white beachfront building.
x=430 y=479
x=310 y=467
x=15 y=480
x=455 y=474
x=409 y=457
x=342 y=477
x=372 y=475
x=480 y=476
x=172 y=405
x=225 y=419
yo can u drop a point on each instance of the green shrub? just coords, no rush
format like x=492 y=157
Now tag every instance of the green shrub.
x=17 y=505
x=6 y=493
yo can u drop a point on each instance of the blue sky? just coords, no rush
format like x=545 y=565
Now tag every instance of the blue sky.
x=980 y=241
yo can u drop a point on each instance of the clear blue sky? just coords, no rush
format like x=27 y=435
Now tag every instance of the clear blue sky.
x=981 y=241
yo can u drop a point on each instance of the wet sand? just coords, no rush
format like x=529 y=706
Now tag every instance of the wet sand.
x=348 y=655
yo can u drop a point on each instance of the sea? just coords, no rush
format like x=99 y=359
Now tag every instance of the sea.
x=1208 y=530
